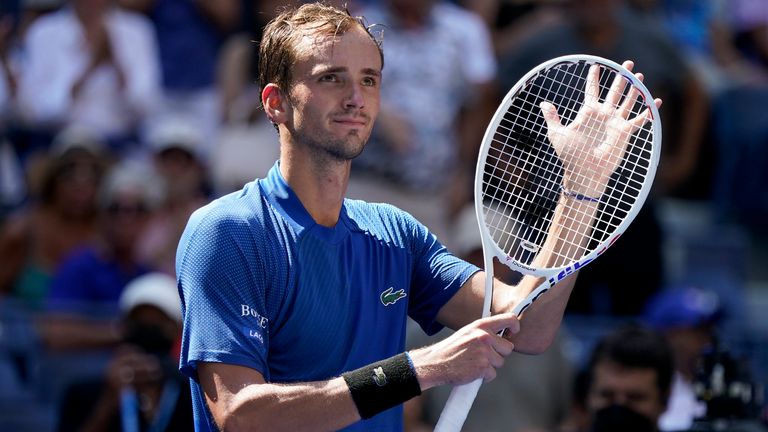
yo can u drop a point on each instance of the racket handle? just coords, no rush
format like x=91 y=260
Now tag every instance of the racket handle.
x=457 y=407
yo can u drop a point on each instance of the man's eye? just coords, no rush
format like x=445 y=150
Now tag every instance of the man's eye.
x=329 y=78
x=370 y=81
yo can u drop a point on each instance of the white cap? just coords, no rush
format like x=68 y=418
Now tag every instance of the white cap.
x=77 y=137
x=153 y=289
x=133 y=177
x=175 y=132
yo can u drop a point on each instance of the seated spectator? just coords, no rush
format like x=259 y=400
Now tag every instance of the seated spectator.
x=175 y=144
x=141 y=389
x=190 y=35
x=59 y=218
x=94 y=65
x=245 y=128
x=687 y=317
x=90 y=281
x=628 y=381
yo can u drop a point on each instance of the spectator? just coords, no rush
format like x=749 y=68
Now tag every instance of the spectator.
x=433 y=111
x=8 y=72
x=687 y=318
x=511 y=21
x=615 y=284
x=628 y=380
x=190 y=35
x=60 y=217
x=750 y=27
x=244 y=124
x=89 y=282
x=94 y=65
x=141 y=386
x=175 y=144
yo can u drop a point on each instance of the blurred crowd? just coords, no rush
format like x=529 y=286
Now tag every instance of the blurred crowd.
x=119 y=118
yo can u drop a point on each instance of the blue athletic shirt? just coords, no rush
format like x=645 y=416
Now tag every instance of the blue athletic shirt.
x=264 y=286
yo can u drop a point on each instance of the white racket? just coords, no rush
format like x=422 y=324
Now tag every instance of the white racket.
x=565 y=165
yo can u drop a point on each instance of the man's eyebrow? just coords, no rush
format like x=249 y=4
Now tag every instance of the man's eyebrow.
x=336 y=69
x=372 y=71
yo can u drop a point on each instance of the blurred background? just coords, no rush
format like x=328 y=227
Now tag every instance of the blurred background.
x=118 y=118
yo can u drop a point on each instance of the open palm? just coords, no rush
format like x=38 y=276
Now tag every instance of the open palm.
x=593 y=144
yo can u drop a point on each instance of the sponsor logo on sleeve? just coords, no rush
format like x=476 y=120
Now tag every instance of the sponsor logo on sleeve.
x=246 y=310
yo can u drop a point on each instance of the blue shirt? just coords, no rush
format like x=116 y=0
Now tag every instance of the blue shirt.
x=264 y=286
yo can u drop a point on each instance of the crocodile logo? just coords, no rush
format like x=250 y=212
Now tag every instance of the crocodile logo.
x=389 y=297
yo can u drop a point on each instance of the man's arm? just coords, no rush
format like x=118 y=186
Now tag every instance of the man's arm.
x=542 y=319
x=239 y=398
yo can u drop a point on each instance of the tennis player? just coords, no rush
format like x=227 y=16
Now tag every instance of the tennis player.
x=295 y=299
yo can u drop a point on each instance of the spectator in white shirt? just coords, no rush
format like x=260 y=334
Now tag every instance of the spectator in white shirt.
x=93 y=65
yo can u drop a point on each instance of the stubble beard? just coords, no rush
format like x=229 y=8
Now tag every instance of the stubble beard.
x=335 y=150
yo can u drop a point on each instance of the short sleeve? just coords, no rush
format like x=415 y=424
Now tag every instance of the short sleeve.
x=222 y=287
x=437 y=276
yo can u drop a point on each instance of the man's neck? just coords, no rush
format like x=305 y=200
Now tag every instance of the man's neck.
x=319 y=185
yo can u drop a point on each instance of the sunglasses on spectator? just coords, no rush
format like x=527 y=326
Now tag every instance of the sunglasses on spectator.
x=134 y=209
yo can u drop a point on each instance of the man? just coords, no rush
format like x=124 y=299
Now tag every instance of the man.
x=630 y=377
x=286 y=285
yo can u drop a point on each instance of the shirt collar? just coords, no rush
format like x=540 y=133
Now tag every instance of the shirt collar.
x=284 y=200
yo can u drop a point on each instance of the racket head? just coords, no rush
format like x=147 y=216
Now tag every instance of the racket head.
x=518 y=175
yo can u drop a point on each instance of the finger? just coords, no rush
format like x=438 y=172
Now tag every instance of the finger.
x=616 y=90
x=629 y=102
x=640 y=120
x=489 y=375
x=628 y=65
x=592 y=90
x=644 y=117
x=496 y=360
x=496 y=323
x=550 y=116
x=503 y=346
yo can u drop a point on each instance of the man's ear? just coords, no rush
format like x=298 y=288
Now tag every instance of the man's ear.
x=275 y=103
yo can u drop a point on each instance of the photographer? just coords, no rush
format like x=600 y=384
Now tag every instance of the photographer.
x=140 y=388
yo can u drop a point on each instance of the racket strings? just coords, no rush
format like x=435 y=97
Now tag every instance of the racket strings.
x=523 y=173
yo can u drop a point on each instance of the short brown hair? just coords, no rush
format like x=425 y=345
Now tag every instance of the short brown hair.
x=278 y=47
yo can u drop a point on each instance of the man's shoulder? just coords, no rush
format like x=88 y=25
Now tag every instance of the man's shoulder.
x=375 y=212
x=237 y=209
x=382 y=220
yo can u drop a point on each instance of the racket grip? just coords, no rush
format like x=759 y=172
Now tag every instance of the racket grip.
x=457 y=407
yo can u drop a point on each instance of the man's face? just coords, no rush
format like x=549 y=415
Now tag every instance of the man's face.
x=335 y=95
x=633 y=388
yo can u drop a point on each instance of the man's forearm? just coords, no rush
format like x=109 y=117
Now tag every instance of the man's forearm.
x=566 y=242
x=322 y=405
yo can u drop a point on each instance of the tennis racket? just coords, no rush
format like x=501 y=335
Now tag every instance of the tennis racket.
x=565 y=165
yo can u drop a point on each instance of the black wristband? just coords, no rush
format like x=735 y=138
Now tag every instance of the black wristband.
x=382 y=385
